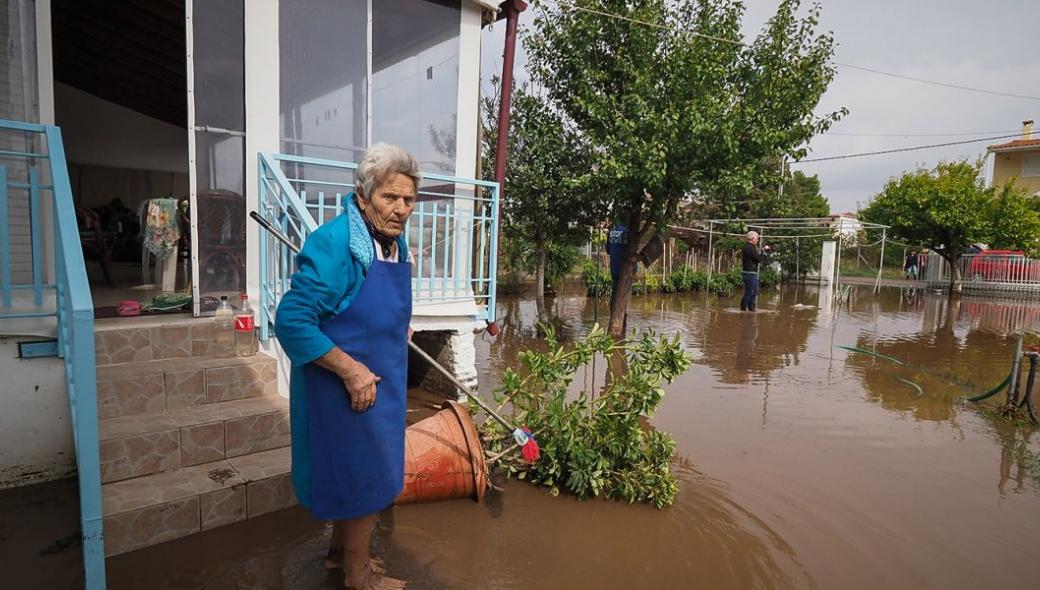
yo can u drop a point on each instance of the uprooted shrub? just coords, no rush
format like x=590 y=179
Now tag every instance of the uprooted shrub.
x=593 y=443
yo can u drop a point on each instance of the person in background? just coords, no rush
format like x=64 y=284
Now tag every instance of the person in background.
x=617 y=240
x=750 y=259
x=344 y=325
x=910 y=267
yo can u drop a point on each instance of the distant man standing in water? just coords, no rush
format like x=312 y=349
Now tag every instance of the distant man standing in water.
x=617 y=242
x=750 y=259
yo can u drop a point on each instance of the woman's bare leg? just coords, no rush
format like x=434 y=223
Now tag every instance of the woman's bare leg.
x=334 y=558
x=357 y=561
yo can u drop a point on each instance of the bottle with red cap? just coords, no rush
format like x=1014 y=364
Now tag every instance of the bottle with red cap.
x=245 y=329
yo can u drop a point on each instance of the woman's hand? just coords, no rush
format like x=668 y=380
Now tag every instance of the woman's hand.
x=361 y=386
x=359 y=381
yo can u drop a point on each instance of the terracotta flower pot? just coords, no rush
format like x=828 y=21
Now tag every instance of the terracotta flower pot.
x=443 y=459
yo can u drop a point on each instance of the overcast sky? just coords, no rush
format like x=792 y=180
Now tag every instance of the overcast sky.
x=983 y=44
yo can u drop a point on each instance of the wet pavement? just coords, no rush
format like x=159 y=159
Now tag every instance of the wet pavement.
x=803 y=465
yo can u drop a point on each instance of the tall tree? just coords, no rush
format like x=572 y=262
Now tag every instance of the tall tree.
x=948 y=208
x=800 y=197
x=672 y=101
x=545 y=214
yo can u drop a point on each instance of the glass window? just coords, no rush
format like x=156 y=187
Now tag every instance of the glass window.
x=415 y=78
x=18 y=90
x=219 y=62
x=323 y=78
x=18 y=102
x=1030 y=164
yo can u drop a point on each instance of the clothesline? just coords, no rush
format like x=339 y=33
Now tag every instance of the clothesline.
x=769 y=236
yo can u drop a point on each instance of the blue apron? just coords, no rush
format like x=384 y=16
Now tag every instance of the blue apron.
x=357 y=458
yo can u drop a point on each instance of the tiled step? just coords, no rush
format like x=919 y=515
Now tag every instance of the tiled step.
x=147 y=387
x=122 y=340
x=145 y=444
x=150 y=510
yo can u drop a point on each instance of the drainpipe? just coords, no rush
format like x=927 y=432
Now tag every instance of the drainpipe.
x=512 y=10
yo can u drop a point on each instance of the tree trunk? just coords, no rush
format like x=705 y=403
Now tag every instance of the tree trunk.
x=539 y=288
x=956 y=279
x=623 y=292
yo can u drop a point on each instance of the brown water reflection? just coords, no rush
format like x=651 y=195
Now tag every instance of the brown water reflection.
x=861 y=480
x=803 y=465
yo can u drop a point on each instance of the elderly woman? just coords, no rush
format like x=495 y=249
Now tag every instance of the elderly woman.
x=344 y=326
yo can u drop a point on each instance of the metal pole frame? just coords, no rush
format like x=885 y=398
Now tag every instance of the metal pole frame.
x=711 y=245
x=881 y=265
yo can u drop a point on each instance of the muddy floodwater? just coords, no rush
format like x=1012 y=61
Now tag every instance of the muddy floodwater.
x=802 y=465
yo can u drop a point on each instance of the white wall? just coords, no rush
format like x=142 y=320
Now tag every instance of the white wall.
x=102 y=133
x=35 y=432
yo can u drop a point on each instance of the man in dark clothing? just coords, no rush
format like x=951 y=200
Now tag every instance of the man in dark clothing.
x=617 y=241
x=910 y=267
x=750 y=259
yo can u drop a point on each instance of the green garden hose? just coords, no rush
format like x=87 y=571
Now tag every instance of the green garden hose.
x=916 y=387
x=877 y=354
x=975 y=398
x=992 y=392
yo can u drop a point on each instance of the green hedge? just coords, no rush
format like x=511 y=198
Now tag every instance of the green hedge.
x=597 y=281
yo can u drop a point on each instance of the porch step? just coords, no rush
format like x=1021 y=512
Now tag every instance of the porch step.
x=124 y=340
x=145 y=444
x=144 y=387
x=149 y=510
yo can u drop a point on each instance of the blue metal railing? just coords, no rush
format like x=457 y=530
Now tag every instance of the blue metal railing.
x=452 y=233
x=21 y=173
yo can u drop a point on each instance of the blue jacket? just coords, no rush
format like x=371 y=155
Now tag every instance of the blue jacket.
x=331 y=269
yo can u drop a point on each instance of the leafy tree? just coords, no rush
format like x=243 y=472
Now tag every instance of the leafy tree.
x=947 y=209
x=544 y=213
x=672 y=102
x=800 y=197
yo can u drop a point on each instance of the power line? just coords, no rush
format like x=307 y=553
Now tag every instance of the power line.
x=933 y=82
x=564 y=4
x=919 y=134
x=905 y=149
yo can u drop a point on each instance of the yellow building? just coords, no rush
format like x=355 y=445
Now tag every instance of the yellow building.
x=1018 y=159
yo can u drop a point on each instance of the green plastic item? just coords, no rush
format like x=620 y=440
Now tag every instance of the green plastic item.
x=169 y=301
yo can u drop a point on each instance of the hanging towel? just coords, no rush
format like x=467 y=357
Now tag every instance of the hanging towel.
x=161 y=228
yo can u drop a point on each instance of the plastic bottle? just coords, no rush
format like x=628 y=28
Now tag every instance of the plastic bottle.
x=224 y=329
x=245 y=329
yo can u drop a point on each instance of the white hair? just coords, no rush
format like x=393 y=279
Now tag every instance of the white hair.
x=381 y=160
x=752 y=235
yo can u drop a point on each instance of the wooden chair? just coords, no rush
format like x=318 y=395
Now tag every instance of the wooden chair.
x=221 y=237
x=94 y=243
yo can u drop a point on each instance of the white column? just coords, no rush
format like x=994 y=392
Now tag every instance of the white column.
x=827 y=262
x=262 y=116
x=45 y=61
x=469 y=93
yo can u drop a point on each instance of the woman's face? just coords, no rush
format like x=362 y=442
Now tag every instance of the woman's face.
x=391 y=204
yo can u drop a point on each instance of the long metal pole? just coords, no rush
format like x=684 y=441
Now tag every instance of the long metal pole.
x=881 y=265
x=711 y=244
x=837 y=267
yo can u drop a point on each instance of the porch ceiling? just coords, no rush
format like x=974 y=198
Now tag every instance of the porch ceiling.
x=130 y=53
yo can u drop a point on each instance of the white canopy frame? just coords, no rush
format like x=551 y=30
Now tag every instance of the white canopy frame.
x=783 y=226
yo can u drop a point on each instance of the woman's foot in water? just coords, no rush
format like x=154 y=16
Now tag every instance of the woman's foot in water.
x=369 y=579
x=334 y=561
